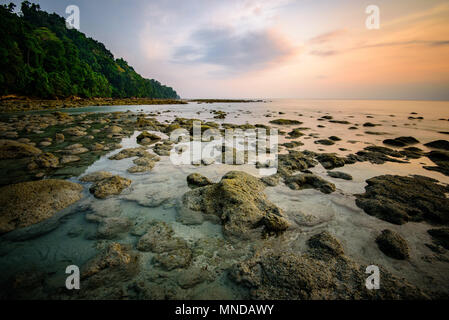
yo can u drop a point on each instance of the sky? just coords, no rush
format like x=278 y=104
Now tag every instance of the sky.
x=309 y=49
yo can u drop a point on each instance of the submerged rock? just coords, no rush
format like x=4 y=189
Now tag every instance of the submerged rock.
x=103 y=276
x=398 y=199
x=309 y=181
x=239 y=201
x=27 y=203
x=393 y=245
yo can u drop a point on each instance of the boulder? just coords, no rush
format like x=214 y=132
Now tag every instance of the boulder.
x=398 y=199
x=393 y=245
x=110 y=186
x=27 y=203
x=239 y=201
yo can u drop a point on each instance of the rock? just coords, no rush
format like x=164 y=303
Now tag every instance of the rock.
x=110 y=228
x=239 y=201
x=271 y=181
x=334 y=138
x=438 y=144
x=75 y=149
x=401 y=141
x=75 y=131
x=285 y=122
x=309 y=181
x=69 y=159
x=27 y=203
x=339 y=175
x=331 y=160
x=295 y=133
x=175 y=259
x=398 y=199
x=292 y=144
x=378 y=155
x=45 y=143
x=147 y=138
x=139 y=169
x=159 y=238
x=10 y=149
x=294 y=161
x=162 y=149
x=109 y=186
x=114 y=129
x=109 y=269
x=322 y=273
x=412 y=152
x=369 y=124
x=393 y=245
x=59 y=137
x=196 y=180
x=130 y=152
x=441 y=159
x=44 y=160
x=326 y=244
x=325 y=142
x=96 y=176
x=191 y=277
x=189 y=217
x=440 y=236
x=96 y=147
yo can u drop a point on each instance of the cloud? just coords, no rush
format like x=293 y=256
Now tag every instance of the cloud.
x=327 y=37
x=323 y=53
x=234 y=51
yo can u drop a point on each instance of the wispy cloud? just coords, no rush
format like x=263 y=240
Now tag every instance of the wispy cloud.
x=234 y=51
x=327 y=37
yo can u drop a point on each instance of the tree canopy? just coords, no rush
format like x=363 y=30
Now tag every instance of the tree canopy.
x=41 y=57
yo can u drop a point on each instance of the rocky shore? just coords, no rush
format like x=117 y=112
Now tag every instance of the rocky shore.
x=16 y=103
x=160 y=232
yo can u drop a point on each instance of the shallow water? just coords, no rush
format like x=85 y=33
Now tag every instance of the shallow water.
x=154 y=195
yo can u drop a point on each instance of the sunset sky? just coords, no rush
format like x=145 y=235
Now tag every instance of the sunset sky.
x=277 y=48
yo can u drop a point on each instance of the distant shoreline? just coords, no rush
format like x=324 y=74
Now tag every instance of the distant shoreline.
x=13 y=103
x=16 y=103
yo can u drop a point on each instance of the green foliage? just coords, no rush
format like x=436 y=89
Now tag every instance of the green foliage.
x=40 y=57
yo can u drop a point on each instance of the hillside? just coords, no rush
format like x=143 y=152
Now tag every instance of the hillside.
x=40 y=57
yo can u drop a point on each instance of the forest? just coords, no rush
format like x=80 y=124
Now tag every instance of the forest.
x=40 y=57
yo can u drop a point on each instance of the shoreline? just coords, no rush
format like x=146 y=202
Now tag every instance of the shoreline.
x=14 y=104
